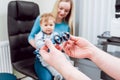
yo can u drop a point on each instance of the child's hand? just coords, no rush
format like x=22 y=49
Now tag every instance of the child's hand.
x=58 y=47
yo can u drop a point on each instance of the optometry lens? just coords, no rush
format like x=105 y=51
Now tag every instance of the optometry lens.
x=65 y=36
x=57 y=39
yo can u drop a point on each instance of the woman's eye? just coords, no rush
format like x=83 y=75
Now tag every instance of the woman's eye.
x=66 y=11
x=61 y=8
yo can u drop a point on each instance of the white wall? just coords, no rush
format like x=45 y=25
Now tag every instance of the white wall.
x=115 y=27
x=3 y=19
x=44 y=5
x=94 y=17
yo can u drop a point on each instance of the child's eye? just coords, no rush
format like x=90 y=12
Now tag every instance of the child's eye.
x=51 y=24
x=45 y=24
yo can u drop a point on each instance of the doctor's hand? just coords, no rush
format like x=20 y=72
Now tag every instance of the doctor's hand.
x=57 y=59
x=78 y=47
x=54 y=57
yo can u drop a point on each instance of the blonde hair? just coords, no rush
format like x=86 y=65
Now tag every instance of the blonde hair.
x=69 y=17
x=46 y=17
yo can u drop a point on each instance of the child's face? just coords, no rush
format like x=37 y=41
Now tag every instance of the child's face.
x=48 y=27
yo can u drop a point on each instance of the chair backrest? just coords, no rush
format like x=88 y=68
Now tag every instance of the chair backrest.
x=21 y=17
x=117 y=6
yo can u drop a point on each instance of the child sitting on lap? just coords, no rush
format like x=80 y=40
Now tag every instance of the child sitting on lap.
x=47 y=23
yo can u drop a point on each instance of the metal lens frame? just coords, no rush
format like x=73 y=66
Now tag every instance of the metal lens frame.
x=57 y=39
x=66 y=36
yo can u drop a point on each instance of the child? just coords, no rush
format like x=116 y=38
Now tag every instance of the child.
x=47 y=23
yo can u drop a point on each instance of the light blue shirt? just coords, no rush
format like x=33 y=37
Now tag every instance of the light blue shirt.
x=41 y=36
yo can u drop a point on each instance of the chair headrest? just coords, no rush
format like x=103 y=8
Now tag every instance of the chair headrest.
x=23 y=10
x=26 y=10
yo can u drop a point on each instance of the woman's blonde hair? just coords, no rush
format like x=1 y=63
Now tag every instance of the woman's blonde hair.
x=69 y=17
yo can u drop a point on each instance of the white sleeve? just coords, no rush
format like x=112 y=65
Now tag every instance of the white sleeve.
x=39 y=42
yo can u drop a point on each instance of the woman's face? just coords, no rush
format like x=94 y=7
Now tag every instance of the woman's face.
x=63 y=9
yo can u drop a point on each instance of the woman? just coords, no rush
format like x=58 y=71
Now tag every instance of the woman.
x=62 y=11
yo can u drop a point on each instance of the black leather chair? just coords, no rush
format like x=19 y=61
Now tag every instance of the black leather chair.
x=117 y=8
x=21 y=16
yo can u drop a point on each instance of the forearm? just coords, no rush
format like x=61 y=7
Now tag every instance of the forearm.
x=32 y=43
x=107 y=62
x=70 y=72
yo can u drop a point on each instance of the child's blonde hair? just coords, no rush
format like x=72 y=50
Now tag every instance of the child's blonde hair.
x=46 y=17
